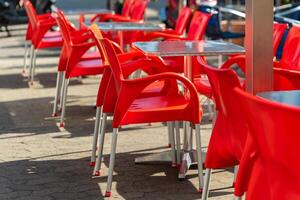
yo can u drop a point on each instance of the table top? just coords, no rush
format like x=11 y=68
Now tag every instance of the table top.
x=291 y=98
x=78 y=11
x=189 y=48
x=129 y=26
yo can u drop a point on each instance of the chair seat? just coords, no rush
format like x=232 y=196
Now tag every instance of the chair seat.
x=48 y=42
x=155 y=109
x=91 y=55
x=203 y=86
x=87 y=67
x=53 y=34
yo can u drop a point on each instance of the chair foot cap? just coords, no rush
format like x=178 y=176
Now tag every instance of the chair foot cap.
x=54 y=115
x=107 y=194
x=92 y=164
x=169 y=146
x=97 y=173
x=62 y=124
x=233 y=184
x=200 y=190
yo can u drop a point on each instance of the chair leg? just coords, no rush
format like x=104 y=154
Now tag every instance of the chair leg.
x=31 y=62
x=64 y=99
x=235 y=171
x=172 y=141
x=169 y=135
x=32 y=73
x=95 y=137
x=206 y=185
x=26 y=51
x=199 y=156
x=57 y=94
x=178 y=147
x=61 y=91
x=101 y=137
x=111 y=162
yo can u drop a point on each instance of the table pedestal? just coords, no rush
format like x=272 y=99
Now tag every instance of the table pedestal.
x=188 y=159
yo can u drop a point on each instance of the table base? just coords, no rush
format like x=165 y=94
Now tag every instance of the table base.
x=188 y=158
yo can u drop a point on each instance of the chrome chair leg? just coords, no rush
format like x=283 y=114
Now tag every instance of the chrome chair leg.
x=178 y=146
x=26 y=52
x=111 y=162
x=57 y=93
x=61 y=91
x=199 y=156
x=172 y=141
x=235 y=171
x=206 y=185
x=31 y=62
x=101 y=137
x=95 y=136
x=238 y=198
x=32 y=72
x=64 y=99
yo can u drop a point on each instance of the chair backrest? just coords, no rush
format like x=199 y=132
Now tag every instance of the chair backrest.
x=138 y=8
x=109 y=55
x=278 y=32
x=198 y=25
x=291 y=55
x=274 y=129
x=230 y=131
x=126 y=8
x=293 y=32
x=64 y=28
x=32 y=15
x=183 y=20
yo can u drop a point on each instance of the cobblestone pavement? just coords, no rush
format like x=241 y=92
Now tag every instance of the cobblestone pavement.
x=39 y=161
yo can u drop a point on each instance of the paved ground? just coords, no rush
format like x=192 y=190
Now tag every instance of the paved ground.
x=39 y=161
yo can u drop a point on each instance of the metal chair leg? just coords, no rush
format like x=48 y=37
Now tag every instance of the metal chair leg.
x=206 y=184
x=95 y=137
x=57 y=94
x=169 y=135
x=26 y=51
x=178 y=146
x=61 y=91
x=238 y=198
x=172 y=141
x=235 y=171
x=31 y=62
x=101 y=137
x=64 y=99
x=32 y=72
x=111 y=162
x=199 y=156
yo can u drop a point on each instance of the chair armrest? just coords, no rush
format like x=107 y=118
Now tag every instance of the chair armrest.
x=145 y=64
x=239 y=60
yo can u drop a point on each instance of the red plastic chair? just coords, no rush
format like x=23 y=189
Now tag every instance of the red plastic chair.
x=229 y=134
x=287 y=70
x=125 y=12
x=45 y=18
x=129 y=109
x=38 y=28
x=278 y=32
x=180 y=27
x=147 y=65
x=274 y=130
